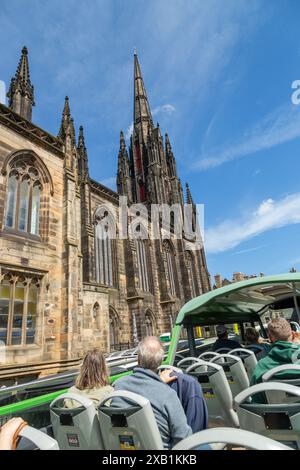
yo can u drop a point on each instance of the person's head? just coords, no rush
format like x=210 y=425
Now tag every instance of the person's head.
x=279 y=329
x=251 y=336
x=93 y=372
x=150 y=353
x=222 y=332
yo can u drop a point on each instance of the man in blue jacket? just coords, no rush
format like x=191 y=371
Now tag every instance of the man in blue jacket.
x=145 y=381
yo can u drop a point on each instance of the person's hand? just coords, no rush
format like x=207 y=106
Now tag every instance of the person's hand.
x=8 y=431
x=165 y=376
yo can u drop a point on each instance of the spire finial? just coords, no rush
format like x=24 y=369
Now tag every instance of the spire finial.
x=134 y=51
x=122 y=141
x=21 y=91
x=67 y=123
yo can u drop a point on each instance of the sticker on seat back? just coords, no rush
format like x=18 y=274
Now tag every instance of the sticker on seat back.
x=126 y=442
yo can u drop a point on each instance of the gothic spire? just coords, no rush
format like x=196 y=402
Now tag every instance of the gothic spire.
x=141 y=114
x=122 y=141
x=82 y=154
x=171 y=163
x=189 y=198
x=67 y=124
x=123 y=175
x=21 y=92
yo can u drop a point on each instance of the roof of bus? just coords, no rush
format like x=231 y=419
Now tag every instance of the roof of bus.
x=239 y=301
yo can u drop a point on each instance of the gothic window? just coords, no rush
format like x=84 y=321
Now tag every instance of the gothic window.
x=105 y=248
x=190 y=263
x=18 y=308
x=96 y=315
x=142 y=265
x=23 y=197
x=149 y=324
x=170 y=266
x=113 y=330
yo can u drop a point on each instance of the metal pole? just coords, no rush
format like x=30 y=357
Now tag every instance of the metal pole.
x=191 y=340
x=296 y=303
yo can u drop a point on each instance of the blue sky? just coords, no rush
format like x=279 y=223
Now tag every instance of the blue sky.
x=218 y=75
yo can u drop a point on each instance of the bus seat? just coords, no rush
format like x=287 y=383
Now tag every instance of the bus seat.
x=258 y=351
x=248 y=357
x=128 y=423
x=234 y=370
x=186 y=362
x=216 y=391
x=223 y=350
x=229 y=436
x=34 y=439
x=279 y=421
x=75 y=428
x=285 y=374
x=208 y=355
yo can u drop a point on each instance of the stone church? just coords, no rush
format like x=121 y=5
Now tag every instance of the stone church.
x=64 y=287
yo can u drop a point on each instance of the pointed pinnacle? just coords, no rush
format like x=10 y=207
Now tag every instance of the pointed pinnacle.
x=66 y=110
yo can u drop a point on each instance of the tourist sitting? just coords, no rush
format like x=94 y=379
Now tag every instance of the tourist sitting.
x=145 y=381
x=283 y=351
x=9 y=433
x=92 y=381
x=190 y=394
x=253 y=340
x=223 y=342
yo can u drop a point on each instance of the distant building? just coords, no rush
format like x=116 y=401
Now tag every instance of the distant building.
x=237 y=276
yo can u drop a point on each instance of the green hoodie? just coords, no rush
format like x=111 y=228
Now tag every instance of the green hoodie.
x=282 y=352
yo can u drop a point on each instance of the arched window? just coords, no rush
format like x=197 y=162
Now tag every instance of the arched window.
x=190 y=263
x=96 y=315
x=170 y=267
x=105 y=247
x=19 y=296
x=149 y=324
x=113 y=330
x=23 y=197
x=142 y=265
x=143 y=258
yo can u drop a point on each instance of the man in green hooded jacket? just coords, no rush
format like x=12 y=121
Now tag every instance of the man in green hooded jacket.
x=283 y=351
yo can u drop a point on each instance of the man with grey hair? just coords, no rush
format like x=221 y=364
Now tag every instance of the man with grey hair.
x=145 y=381
x=283 y=351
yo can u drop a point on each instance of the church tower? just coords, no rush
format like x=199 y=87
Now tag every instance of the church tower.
x=150 y=172
x=21 y=92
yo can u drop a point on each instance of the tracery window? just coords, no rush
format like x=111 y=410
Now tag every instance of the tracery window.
x=105 y=248
x=23 y=197
x=142 y=265
x=18 y=308
x=149 y=324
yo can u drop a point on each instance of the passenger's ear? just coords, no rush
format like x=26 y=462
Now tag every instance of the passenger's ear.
x=293 y=336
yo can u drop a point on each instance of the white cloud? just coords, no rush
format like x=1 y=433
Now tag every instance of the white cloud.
x=265 y=207
x=268 y=215
x=129 y=132
x=279 y=126
x=165 y=108
x=249 y=250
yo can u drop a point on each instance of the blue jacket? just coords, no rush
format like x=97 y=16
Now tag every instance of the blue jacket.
x=190 y=394
x=167 y=409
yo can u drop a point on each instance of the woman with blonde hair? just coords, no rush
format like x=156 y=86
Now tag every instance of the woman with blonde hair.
x=92 y=381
